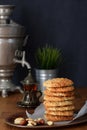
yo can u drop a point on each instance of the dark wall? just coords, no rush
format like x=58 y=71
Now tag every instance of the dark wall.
x=62 y=23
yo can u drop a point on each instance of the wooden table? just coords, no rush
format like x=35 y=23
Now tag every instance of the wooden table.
x=8 y=107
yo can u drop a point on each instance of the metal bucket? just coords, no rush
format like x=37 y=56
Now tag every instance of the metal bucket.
x=43 y=75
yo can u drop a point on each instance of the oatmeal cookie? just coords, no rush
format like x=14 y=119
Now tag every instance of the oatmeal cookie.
x=60 y=113
x=65 y=94
x=58 y=82
x=56 y=118
x=57 y=98
x=61 y=103
x=63 y=108
x=61 y=89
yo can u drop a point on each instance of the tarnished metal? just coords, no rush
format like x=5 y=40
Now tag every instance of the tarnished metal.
x=43 y=75
x=11 y=39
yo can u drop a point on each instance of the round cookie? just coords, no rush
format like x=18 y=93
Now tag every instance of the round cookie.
x=57 y=118
x=60 y=113
x=66 y=94
x=61 y=89
x=63 y=108
x=58 y=82
x=57 y=98
x=56 y=104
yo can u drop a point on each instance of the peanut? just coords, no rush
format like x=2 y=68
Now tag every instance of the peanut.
x=50 y=123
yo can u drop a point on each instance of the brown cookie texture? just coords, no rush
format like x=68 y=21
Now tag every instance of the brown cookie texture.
x=58 y=82
x=62 y=89
x=56 y=118
x=58 y=98
x=66 y=94
x=56 y=103
x=60 y=113
x=63 y=108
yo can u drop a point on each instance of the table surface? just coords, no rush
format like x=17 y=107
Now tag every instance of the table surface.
x=8 y=106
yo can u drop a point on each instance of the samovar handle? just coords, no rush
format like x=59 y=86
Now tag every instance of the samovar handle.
x=23 y=62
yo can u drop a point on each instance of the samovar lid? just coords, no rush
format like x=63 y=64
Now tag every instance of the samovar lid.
x=9 y=28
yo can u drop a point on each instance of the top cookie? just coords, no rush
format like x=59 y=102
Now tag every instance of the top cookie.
x=58 y=82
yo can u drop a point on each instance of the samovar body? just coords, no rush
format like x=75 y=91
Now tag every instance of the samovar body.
x=11 y=39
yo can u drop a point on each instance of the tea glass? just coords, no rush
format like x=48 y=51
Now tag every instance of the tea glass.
x=31 y=96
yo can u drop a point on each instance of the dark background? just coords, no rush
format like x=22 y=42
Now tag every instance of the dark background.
x=61 y=23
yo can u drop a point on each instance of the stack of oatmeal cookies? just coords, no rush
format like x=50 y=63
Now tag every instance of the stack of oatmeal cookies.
x=59 y=99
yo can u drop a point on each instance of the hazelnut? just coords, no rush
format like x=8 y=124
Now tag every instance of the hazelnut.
x=23 y=122
x=20 y=121
x=40 y=122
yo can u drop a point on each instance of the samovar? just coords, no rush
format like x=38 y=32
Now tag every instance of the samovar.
x=11 y=40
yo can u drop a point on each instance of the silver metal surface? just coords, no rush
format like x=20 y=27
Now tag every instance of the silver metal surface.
x=5 y=11
x=11 y=39
x=42 y=75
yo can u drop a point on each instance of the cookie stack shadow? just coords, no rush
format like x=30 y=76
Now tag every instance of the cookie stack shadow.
x=59 y=99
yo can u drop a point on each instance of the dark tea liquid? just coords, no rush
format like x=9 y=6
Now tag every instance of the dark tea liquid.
x=30 y=87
